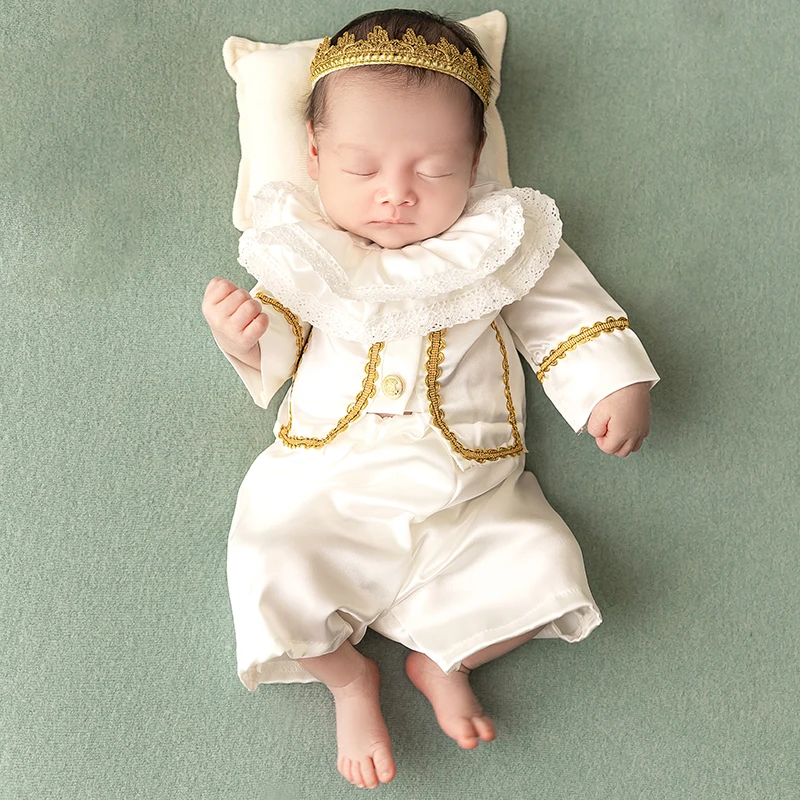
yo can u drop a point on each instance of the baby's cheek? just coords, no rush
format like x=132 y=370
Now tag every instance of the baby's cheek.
x=453 y=206
x=345 y=213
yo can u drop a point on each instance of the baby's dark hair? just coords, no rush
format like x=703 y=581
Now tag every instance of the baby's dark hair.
x=395 y=21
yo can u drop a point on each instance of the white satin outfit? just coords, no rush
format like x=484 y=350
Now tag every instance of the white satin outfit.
x=395 y=496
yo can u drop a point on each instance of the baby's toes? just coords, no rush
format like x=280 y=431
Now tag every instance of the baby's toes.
x=368 y=777
x=484 y=726
x=384 y=764
x=351 y=771
x=355 y=774
x=463 y=731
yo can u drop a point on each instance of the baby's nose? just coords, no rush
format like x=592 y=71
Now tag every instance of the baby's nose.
x=397 y=192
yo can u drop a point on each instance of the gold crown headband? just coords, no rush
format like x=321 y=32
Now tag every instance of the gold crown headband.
x=411 y=50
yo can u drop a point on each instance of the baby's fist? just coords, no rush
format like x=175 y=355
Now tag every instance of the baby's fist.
x=236 y=319
x=621 y=421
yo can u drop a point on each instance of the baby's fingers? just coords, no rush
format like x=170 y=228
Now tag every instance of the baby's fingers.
x=626 y=448
x=250 y=322
x=613 y=437
x=597 y=425
x=216 y=290
x=611 y=443
x=221 y=300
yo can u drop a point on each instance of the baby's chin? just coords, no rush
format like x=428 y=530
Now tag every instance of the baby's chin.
x=393 y=237
x=392 y=242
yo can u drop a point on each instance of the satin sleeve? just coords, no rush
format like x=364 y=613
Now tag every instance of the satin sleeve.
x=280 y=345
x=576 y=338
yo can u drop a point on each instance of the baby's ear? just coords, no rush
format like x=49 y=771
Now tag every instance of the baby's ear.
x=312 y=164
x=475 y=161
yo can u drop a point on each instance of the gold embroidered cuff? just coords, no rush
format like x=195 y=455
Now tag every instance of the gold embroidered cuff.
x=584 y=335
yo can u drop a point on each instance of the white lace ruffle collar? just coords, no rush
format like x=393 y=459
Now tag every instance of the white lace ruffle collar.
x=355 y=289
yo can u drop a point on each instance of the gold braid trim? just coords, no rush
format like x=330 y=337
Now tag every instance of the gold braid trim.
x=292 y=319
x=435 y=359
x=353 y=410
x=585 y=335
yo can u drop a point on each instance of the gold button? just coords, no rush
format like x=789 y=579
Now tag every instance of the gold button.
x=392 y=386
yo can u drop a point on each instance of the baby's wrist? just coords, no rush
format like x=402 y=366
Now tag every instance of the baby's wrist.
x=251 y=357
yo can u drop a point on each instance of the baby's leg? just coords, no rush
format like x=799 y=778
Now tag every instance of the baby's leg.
x=458 y=711
x=365 y=754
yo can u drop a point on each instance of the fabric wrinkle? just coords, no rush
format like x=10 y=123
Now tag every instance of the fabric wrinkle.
x=425 y=526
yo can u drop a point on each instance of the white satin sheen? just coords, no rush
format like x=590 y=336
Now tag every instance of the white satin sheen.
x=380 y=529
x=387 y=526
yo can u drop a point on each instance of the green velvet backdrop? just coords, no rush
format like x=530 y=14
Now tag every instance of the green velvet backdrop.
x=666 y=131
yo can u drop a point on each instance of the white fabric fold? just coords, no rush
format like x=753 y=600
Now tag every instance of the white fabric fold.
x=355 y=289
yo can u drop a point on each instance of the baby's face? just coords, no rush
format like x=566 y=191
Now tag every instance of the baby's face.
x=393 y=165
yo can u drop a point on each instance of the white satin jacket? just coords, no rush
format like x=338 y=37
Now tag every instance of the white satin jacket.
x=431 y=327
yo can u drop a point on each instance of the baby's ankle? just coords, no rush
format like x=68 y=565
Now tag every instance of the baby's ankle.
x=362 y=682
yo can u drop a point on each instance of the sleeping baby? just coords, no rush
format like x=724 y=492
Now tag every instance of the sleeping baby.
x=396 y=296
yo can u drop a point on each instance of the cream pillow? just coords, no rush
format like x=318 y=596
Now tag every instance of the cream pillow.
x=272 y=86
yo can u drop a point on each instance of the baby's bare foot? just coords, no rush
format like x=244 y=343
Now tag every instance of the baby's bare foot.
x=365 y=754
x=458 y=711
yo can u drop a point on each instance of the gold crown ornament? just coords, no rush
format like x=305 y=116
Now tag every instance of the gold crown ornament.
x=411 y=50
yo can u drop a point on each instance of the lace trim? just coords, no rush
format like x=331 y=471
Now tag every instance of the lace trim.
x=354 y=410
x=474 y=303
x=434 y=370
x=292 y=319
x=351 y=320
x=507 y=206
x=584 y=335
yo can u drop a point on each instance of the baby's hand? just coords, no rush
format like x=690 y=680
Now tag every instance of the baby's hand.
x=236 y=319
x=620 y=421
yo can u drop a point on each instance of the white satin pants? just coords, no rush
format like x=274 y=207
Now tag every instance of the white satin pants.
x=382 y=528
